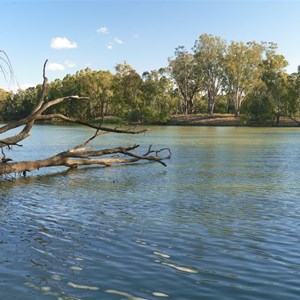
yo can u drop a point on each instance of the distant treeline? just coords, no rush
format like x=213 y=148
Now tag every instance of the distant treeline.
x=214 y=77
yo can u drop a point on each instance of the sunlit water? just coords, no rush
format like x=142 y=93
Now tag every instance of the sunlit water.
x=222 y=221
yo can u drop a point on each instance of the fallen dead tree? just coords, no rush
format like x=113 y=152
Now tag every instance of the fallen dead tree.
x=80 y=155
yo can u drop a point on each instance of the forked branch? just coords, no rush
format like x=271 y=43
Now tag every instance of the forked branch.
x=75 y=158
x=81 y=155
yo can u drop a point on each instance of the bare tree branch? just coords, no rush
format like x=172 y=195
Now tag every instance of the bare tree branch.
x=44 y=90
x=102 y=128
x=74 y=158
x=6 y=68
x=80 y=155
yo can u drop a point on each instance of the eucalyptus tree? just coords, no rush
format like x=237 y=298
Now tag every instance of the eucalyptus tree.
x=294 y=89
x=276 y=81
x=209 y=52
x=96 y=85
x=54 y=91
x=18 y=105
x=157 y=95
x=105 y=92
x=70 y=86
x=3 y=95
x=84 y=83
x=184 y=70
x=242 y=70
x=126 y=86
x=10 y=107
x=293 y=94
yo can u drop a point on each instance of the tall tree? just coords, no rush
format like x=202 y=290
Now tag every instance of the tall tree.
x=18 y=105
x=242 y=70
x=127 y=100
x=157 y=96
x=293 y=94
x=104 y=92
x=209 y=52
x=96 y=85
x=3 y=96
x=185 y=72
x=294 y=86
x=275 y=79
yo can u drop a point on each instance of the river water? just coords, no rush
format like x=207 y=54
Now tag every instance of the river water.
x=221 y=221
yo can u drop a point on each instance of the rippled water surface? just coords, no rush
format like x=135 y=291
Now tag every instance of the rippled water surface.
x=220 y=222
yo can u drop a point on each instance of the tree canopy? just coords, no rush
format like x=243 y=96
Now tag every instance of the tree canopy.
x=216 y=76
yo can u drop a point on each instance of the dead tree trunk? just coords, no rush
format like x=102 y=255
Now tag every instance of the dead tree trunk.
x=80 y=155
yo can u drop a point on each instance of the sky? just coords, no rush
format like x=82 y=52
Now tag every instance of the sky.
x=76 y=34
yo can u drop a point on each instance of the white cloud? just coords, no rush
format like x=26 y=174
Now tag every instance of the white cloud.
x=62 y=43
x=118 y=41
x=103 y=30
x=109 y=47
x=69 y=64
x=55 y=67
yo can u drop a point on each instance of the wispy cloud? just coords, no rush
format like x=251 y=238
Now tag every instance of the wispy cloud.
x=103 y=30
x=55 y=67
x=118 y=41
x=62 y=43
x=69 y=64
x=135 y=36
x=109 y=47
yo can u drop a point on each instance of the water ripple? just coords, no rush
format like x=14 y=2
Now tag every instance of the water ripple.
x=220 y=222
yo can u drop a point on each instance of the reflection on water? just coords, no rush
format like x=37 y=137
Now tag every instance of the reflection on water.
x=220 y=222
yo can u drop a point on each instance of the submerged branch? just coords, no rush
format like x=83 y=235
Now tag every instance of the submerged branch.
x=74 y=158
x=80 y=155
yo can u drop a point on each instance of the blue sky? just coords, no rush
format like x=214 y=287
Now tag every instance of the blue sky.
x=99 y=34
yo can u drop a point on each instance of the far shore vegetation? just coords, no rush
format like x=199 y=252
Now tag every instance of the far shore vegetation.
x=216 y=83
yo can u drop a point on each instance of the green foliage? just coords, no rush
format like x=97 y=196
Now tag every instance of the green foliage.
x=3 y=96
x=293 y=93
x=209 y=52
x=186 y=74
x=222 y=105
x=126 y=88
x=20 y=105
x=157 y=96
x=274 y=95
x=215 y=77
x=242 y=71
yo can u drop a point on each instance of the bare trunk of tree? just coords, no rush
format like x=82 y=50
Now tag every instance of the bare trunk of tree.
x=212 y=96
x=81 y=157
x=237 y=102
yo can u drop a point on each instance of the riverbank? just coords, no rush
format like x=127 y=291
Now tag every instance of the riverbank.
x=221 y=120
x=228 y=120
